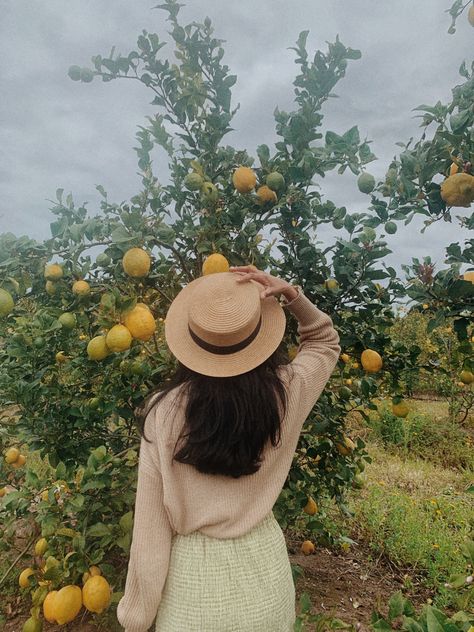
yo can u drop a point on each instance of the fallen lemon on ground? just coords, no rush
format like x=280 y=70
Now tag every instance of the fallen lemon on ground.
x=215 y=263
x=308 y=547
x=32 y=625
x=244 y=179
x=23 y=579
x=371 y=361
x=96 y=594
x=140 y=322
x=136 y=262
x=67 y=604
x=48 y=606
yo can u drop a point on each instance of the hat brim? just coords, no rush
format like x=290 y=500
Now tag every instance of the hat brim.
x=189 y=353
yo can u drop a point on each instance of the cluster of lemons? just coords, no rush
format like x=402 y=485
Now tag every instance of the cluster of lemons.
x=62 y=606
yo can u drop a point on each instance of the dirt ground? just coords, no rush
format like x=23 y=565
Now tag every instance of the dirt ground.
x=348 y=585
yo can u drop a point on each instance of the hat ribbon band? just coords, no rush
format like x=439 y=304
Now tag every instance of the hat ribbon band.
x=223 y=350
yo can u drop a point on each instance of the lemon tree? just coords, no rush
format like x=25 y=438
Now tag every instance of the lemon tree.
x=83 y=342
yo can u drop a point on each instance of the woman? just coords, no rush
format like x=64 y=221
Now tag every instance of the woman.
x=207 y=553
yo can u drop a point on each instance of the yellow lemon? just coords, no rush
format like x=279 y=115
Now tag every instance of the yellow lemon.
x=23 y=579
x=307 y=547
x=458 y=190
x=345 y=448
x=345 y=358
x=96 y=594
x=20 y=462
x=140 y=322
x=53 y=271
x=400 y=410
x=61 y=357
x=94 y=571
x=331 y=284
x=215 y=263
x=97 y=348
x=118 y=338
x=469 y=276
x=48 y=606
x=41 y=546
x=466 y=377
x=371 y=361
x=51 y=288
x=67 y=604
x=136 y=262
x=11 y=455
x=265 y=195
x=244 y=179
x=44 y=495
x=81 y=288
x=3 y=491
x=311 y=507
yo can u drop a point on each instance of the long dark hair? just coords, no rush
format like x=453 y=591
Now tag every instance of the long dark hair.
x=228 y=419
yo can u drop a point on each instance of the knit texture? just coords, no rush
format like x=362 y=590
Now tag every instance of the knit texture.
x=174 y=498
x=241 y=584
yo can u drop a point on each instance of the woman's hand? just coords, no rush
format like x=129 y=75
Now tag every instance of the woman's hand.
x=273 y=285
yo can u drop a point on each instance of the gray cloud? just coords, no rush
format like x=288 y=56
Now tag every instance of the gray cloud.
x=58 y=133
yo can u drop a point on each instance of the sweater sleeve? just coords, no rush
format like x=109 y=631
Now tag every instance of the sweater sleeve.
x=318 y=350
x=151 y=543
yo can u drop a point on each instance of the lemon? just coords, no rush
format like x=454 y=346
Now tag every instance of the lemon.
x=6 y=302
x=96 y=594
x=51 y=288
x=390 y=228
x=94 y=571
x=331 y=284
x=265 y=195
x=11 y=455
x=275 y=181
x=32 y=625
x=118 y=338
x=454 y=168
x=308 y=547
x=458 y=190
x=23 y=579
x=215 y=263
x=68 y=320
x=140 y=322
x=466 y=377
x=470 y=17
x=21 y=460
x=53 y=272
x=81 y=288
x=136 y=262
x=193 y=181
x=209 y=193
x=244 y=179
x=44 y=495
x=41 y=546
x=97 y=348
x=67 y=604
x=311 y=507
x=345 y=358
x=61 y=357
x=48 y=606
x=400 y=410
x=371 y=361
x=366 y=183
x=469 y=276
x=3 y=491
x=345 y=448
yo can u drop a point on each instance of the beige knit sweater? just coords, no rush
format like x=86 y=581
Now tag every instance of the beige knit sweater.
x=177 y=498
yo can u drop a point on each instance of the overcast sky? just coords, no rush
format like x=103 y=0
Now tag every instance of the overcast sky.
x=56 y=133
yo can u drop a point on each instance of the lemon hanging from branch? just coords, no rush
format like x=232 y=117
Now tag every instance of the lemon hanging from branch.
x=136 y=263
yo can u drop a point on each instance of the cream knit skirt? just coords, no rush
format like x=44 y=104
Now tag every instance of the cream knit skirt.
x=241 y=584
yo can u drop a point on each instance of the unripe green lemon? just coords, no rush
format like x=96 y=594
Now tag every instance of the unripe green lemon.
x=366 y=183
x=193 y=181
x=275 y=181
x=6 y=302
x=68 y=320
x=390 y=228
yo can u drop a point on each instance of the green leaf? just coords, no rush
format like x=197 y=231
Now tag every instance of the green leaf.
x=121 y=235
x=395 y=605
x=98 y=530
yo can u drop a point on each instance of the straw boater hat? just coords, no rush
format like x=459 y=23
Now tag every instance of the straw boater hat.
x=219 y=327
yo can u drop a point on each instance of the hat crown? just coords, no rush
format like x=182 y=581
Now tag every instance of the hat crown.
x=223 y=312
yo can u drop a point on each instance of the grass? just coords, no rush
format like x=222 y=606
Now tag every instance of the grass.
x=416 y=513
